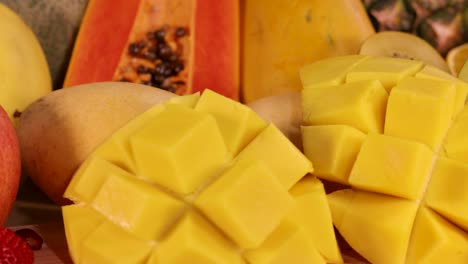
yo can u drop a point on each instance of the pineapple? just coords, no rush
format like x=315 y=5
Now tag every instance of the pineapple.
x=442 y=23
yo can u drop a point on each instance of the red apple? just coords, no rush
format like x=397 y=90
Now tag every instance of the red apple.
x=10 y=165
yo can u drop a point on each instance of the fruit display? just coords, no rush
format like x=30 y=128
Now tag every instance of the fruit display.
x=442 y=23
x=10 y=165
x=178 y=46
x=279 y=37
x=393 y=132
x=24 y=71
x=203 y=184
x=58 y=132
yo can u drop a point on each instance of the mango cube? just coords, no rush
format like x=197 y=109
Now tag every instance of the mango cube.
x=392 y=166
x=194 y=240
x=389 y=71
x=419 y=104
x=435 y=240
x=164 y=149
x=109 y=244
x=359 y=104
x=447 y=194
x=238 y=123
x=333 y=148
x=406 y=186
x=134 y=205
x=247 y=219
x=89 y=178
x=378 y=226
x=329 y=72
x=312 y=212
x=433 y=73
x=287 y=163
x=81 y=222
x=287 y=244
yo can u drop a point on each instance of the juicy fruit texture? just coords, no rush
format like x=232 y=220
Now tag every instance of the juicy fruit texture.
x=13 y=249
x=10 y=165
x=188 y=182
x=58 y=132
x=179 y=46
x=24 y=70
x=275 y=32
x=407 y=167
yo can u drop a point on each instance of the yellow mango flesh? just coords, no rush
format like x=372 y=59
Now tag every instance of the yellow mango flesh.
x=422 y=98
x=332 y=149
x=389 y=71
x=408 y=196
x=186 y=182
x=311 y=212
x=359 y=104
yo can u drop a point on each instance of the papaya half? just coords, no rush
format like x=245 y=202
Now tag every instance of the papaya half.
x=179 y=46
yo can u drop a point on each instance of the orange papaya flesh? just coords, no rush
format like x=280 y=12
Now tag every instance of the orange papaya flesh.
x=101 y=38
x=180 y=46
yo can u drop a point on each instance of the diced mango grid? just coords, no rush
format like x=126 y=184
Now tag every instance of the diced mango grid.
x=232 y=208
x=396 y=132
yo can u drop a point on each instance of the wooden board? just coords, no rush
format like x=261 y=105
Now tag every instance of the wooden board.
x=55 y=251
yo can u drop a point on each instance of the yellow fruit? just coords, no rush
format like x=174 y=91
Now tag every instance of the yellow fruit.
x=24 y=72
x=279 y=37
x=58 y=131
x=191 y=183
x=456 y=57
x=403 y=45
x=464 y=72
x=402 y=151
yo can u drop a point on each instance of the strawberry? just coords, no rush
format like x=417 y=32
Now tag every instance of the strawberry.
x=13 y=249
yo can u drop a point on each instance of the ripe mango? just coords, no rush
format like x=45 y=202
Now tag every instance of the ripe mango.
x=188 y=182
x=401 y=151
x=58 y=131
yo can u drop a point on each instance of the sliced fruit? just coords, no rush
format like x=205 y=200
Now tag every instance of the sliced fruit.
x=58 y=132
x=456 y=58
x=311 y=212
x=361 y=104
x=25 y=75
x=406 y=195
x=179 y=46
x=333 y=148
x=223 y=187
x=376 y=226
x=402 y=45
x=436 y=240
